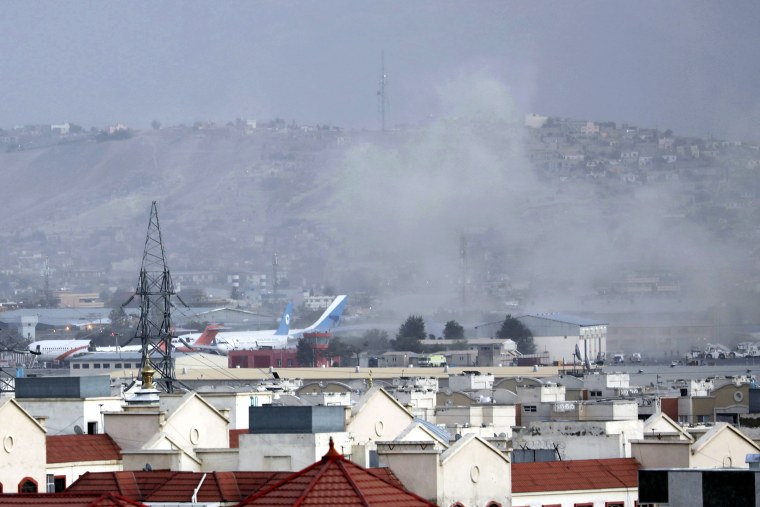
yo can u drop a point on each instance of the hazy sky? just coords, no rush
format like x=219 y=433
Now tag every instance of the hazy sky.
x=686 y=65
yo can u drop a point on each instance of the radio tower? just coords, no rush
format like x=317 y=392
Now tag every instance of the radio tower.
x=155 y=289
x=381 y=94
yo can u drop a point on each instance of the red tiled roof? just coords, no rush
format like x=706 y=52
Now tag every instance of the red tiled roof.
x=77 y=448
x=55 y=499
x=167 y=486
x=335 y=481
x=574 y=475
x=235 y=438
x=170 y=486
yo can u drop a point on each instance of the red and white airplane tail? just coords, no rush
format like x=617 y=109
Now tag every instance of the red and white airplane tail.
x=207 y=340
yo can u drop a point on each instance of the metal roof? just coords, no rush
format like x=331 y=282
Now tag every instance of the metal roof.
x=567 y=319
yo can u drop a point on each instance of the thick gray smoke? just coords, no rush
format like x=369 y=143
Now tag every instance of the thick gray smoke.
x=403 y=210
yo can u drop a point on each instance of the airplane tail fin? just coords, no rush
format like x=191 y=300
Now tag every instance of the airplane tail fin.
x=331 y=317
x=284 y=327
x=208 y=336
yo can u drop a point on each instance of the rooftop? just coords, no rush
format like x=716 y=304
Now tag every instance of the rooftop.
x=585 y=474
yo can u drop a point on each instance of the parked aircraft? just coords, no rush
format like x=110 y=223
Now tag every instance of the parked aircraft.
x=57 y=350
x=234 y=340
x=276 y=338
x=327 y=321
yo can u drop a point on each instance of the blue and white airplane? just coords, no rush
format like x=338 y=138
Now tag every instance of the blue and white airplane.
x=247 y=340
x=327 y=321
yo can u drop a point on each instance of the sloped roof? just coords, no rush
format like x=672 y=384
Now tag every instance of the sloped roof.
x=78 y=448
x=584 y=474
x=567 y=319
x=713 y=432
x=334 y=480
x=164 y=486
x=53 y=499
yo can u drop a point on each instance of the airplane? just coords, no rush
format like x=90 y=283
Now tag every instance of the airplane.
x=278 y=338
x=327 y=321
x=57 y=350
x=61 y=350
x=246 y=340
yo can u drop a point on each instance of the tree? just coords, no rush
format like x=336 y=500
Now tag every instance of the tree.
x=410 y=335
x=339 y=348
x=453 y=331
x=513 y=329
x=304 y=353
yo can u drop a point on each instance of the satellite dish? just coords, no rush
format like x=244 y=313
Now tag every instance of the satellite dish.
x=147 y=468
x=78 y=430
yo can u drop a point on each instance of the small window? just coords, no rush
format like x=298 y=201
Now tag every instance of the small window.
x=50 y=483
x=85 y=366
x=583 y=505
x=59 y=483
x=117 y=365
x=529 y=408
x=614 y=504
x=92 y=428
x=106 y=365
x=96 y=365
x=76 y=366
x=27 y=485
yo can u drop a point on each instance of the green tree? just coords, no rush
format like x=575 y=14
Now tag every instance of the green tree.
x=410 y=335
x=304 y=353
x=453 y=331
x=339 y=348
x=513 y=329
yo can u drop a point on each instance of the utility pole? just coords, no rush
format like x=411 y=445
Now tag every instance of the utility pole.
x=381 y=92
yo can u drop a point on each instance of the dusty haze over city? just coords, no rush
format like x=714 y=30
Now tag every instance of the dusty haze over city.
x=387 y=212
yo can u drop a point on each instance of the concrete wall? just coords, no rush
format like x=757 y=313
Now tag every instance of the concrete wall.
x=22 y=449
x=662 y=453
x=416 y=465
x=288 y=451
x=475 y=475
x=63 y=415
x=131 y=430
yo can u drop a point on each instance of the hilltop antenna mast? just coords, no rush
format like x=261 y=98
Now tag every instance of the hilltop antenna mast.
x=381 y=93
x=155 y=289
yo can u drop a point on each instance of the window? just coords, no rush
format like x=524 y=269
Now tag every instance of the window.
x=85 y=366
x=59 y=483
x=96 y=365
x=595 y=394
x=50 y=480
x=614 y=504
x=106 y=365
x=529 y=408
x=92 y=428
x=76 y=366
x=27 y=485
x=583 y=505
x=117 y=365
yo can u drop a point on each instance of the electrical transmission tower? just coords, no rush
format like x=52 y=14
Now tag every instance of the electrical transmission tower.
x=155 y=289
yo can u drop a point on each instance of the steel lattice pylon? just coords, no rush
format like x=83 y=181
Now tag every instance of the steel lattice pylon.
x=155 y=290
